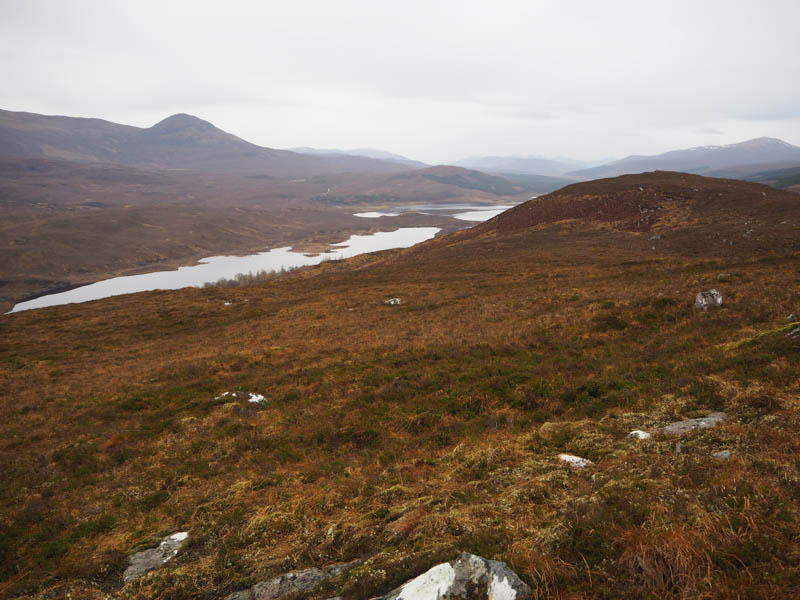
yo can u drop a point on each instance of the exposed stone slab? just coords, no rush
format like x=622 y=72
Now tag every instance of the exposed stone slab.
x=289 y=585
x=154 y=558
x=682 y=427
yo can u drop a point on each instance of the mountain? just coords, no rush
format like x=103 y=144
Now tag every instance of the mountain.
x=519 y=165
x=366 y=152
x=759 y=154
x=400 y=436
x=178 y=142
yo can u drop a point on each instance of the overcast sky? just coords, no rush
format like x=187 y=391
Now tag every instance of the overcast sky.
x=436 y=81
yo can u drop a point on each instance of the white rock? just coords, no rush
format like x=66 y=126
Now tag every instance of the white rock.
x=639 y=434
x=255 y=398
x=431 y=584
x=469 y=577
x=393 y=302
x=575 y=461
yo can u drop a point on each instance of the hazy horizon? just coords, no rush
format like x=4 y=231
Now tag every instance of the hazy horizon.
x=434 y=82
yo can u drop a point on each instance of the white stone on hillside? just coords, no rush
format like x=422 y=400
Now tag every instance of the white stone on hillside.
x=575 y=461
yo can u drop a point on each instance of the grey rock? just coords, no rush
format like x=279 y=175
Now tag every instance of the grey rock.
x=708 y=299
x=393 y=302
x=722 y=455
x=682 y=427
x=469 y=577
x=291 y=584
x=794 y=333
x=154 y=558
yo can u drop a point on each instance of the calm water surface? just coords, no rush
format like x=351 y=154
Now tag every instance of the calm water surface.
x=213 y=268
x=464 y=212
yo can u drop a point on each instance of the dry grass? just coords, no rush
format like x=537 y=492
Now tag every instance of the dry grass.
x=402 y=435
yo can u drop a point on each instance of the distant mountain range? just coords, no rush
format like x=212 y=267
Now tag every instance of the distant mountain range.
x=734 y=160
x=525 y=165
x=178 y=142
x=186 y=142
x=365 y=152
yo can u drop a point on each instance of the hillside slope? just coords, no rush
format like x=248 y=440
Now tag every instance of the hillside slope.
x=402 y=435
x=668 y=212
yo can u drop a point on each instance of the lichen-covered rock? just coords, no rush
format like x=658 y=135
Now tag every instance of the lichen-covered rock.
x=682 y=427
x=154 y=558
x=708 y=299
x=469 y=577
x=289 y=585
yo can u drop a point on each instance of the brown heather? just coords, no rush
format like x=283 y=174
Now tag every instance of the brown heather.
x=403 y=435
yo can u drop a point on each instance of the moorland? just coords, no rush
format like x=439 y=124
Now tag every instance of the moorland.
x=401 y=435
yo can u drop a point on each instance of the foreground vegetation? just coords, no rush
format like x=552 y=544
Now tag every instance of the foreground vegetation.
x=402 y=435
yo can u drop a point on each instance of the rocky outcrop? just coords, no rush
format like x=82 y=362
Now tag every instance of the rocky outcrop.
x=708 y=299
x=469 y=577
x=154 y=558
x=290 y=585
x=682 y=427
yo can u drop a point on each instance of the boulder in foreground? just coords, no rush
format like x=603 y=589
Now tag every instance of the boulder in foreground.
x=469 y=577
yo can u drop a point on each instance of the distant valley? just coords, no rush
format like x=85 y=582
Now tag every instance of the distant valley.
x=87 y=199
